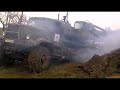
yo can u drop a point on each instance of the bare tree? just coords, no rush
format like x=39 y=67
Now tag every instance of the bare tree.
x=3 y=18
x=12 y=17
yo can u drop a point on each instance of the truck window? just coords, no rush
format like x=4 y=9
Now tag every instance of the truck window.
x=45 y=24
x=78 y=25
x=13 y=27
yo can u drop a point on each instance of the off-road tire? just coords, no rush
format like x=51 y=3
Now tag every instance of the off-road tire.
x=39 y=59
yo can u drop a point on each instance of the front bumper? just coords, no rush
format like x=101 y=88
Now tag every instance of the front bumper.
x=16 y=46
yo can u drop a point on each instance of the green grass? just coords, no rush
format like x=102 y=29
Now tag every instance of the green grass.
x=60 y=71
x=12 y=72
x=69 y=70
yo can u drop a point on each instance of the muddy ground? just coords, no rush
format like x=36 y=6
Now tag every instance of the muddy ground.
x=104 y=66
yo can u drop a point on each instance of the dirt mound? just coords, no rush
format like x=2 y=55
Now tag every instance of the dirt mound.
x=102 y=66
x=97 y=67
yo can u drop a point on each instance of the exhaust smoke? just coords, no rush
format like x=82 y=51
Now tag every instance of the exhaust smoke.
x=109 y=42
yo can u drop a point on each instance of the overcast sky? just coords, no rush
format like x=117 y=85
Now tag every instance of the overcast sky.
x=102 y=19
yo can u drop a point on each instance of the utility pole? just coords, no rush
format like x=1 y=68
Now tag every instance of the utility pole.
x=21 y=18
x=67 y=16
x=58 y=16
x=20 y=25
x=7 y=19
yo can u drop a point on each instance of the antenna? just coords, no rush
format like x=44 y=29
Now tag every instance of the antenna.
x=67 y=16
x=58 y=16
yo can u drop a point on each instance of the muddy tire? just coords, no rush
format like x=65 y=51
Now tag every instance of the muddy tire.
x=39 y=59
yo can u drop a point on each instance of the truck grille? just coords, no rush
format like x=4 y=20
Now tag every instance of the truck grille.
x=11 y=35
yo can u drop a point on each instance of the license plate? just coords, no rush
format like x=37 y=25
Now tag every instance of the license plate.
x=10 y=41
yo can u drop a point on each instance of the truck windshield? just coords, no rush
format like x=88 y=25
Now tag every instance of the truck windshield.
x=47 y=24
x=42 y=23
x=11 y=35
x=13 y=27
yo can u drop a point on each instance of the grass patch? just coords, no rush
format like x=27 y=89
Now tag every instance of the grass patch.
x=13 y=72
x=59 y=71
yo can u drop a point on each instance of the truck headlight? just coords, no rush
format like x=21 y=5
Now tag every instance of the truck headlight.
x=27 y=37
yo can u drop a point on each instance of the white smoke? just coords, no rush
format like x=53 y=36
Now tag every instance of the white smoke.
x=110 y=42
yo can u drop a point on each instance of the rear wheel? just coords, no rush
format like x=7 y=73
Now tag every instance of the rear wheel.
x=39 y=59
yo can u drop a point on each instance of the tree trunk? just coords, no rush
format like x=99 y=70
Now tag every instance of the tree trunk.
x=3 y=27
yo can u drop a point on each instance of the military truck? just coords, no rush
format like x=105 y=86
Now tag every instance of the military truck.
x=43 y=40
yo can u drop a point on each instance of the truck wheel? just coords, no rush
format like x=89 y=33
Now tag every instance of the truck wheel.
x=39 y=59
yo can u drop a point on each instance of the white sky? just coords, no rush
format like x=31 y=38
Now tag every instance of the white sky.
x=102 y=19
